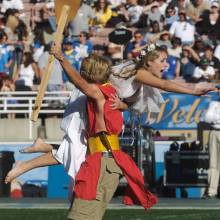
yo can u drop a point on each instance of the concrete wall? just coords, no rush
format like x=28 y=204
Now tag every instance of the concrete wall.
x=53 y=131
x=12 y=130
x=17 y=129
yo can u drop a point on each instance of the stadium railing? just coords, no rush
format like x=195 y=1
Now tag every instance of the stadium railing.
x=22 y=103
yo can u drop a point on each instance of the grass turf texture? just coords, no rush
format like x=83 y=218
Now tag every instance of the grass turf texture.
x=39 y=214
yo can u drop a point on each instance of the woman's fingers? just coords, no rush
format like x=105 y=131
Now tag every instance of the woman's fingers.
x=114 y=95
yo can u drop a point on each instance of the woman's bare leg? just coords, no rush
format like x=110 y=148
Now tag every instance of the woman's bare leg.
x=24 y=166
x=38 y=146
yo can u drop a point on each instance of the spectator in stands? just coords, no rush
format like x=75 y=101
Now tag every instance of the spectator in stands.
x=38 y=44
x=49 y=11
x=43 y=16
x=24 y=77
x=37 y=13
x=199 y=46
x=17 y=33
x=154 y=14
x=164 y=39
x=172 y=70
x=213 y=61
x=81 y=20
x=55 y=83
x=71 y=55
x=182 y=4
x=8 y=86
x=209 y=25
x=22 y=39
x=162 y=6
x=183 y=29
x=196 y=8
x=6 y=58
x=11 y=4
x=116 y=3
x=134 y=45
x=188 y=61
x=217 y=52
x=153 y=33
x=115 y=52
x=83 y=46
x=171 y=16
x=11 y=22
x=204 y=72
x=132 y=12
x=176 y=48
x=117 y=16
x=103 y=13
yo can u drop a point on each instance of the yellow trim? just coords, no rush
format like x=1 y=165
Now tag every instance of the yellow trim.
x=68 y=52
x=95 y=144
x=105 y=84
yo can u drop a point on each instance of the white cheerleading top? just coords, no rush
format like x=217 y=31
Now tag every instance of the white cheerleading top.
x=142 y=98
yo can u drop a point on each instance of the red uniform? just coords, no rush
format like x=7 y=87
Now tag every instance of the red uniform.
x=88 y=176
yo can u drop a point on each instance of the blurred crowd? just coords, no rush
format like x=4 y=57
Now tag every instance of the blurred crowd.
x=188 y=30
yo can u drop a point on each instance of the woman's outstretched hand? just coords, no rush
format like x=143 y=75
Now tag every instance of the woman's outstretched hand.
x=116 y=102
x=203 y=88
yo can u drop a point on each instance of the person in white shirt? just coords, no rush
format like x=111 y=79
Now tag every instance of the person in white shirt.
x=176 y=48
x=217 y=52
x=116 y=3
x=115 y=52
x=162 y=6
x=183 y=29
x=212 y=117
x=27 y=71
x=12 y=4
x=204 y=71
x=132 y=13
x=81 y=20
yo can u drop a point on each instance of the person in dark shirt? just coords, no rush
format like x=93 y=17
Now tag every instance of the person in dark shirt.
x=133 y=45
x=209 y=25
x=188 y=61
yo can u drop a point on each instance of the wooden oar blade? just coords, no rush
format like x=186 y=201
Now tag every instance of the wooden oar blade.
x=73 y=4
x=58 y=38
x=65 y=11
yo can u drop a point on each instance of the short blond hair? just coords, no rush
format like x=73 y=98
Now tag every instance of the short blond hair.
x=95 y=69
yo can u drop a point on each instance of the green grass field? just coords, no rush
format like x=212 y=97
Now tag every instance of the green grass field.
x=39 y=214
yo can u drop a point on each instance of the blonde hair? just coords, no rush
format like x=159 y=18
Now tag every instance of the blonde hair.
x=95 y=69
x=150 y=56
